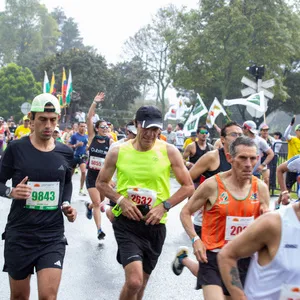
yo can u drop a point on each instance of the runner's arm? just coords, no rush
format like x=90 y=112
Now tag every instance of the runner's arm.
x=203 y=164
x=68 y=188
x=206 y=191
x=254 y=238
x=89 y=119
x=264 y=197
x=281 y=169
x=287 y=132
x=182 y=176
x=187 y=152
x=6 y=169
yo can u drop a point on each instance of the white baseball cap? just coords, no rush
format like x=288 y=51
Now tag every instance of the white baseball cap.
x=39 y=102
x=251 y=126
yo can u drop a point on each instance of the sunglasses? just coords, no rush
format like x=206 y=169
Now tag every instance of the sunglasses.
x=103 y=127
x=234 y=134
x=203 y=131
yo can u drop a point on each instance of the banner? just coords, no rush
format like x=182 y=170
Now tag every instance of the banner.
x=171 y=113
x=215 y=109
x=53 y=85
x=69 y=88
x=64 y=87
x=197 y=112
x=256 y=101
x=46 y=85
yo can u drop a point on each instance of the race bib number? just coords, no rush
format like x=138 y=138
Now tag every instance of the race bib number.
x=44 y=195
x=235 y=225
x=290 y=292
x=142 y=196
x=96 y=163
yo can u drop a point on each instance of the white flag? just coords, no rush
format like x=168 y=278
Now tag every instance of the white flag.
x=171 y=113
x=46 y=84
x=256 y=101
x=215 y=109
x=198 y=111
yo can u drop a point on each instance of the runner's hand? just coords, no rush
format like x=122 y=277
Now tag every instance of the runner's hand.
x=154 y=215
x=79 y=144
x=200 y=251
x=70 y=213
x=293 y=120
x=99 y=97
x=21 y=191
x=130 y=211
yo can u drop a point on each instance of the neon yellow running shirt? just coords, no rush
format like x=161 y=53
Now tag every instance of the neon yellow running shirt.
x=149 y=170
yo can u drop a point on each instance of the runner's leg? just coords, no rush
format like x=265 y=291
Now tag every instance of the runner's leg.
x=133 y=281
x=48 y=283
x=83 y=174
x=19 y=289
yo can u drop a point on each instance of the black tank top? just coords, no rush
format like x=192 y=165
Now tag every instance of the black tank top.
x=199 y=153
x=224 y=165
x=98 y=149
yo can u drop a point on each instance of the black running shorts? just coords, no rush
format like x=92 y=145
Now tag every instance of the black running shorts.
x=91 y=178
x=21 y=257
x=209 y=273
x=138 y=242
x=291 y=178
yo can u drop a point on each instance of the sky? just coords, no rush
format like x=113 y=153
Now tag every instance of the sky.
x=106 y=25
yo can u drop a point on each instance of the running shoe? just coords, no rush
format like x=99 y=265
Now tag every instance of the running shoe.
x=89 y=212
x=82 y=193
x=177 y=265
x=101 y=234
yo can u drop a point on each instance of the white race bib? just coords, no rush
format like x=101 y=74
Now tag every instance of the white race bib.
x=44 y=195
x=235 y=225
x=142 y=196
x=96 y=163
x=290 y=292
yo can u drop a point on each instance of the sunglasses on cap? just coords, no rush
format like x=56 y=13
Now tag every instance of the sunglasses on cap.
x=202 y=131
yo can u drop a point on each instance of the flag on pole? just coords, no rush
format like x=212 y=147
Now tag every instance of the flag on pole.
x=197 y=112
x=256 y=101
x=64 y=87
x=46 y=85
x=53 y=85
x=215 y=109
x=171 y=113
x=69 y=88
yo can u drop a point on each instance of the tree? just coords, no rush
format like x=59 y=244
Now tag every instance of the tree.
x=218 y=41
x=151 y=45
x=17 y=85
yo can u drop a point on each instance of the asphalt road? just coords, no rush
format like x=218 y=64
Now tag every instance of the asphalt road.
x=90 y=269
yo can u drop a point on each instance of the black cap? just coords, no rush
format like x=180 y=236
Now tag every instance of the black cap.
x=149 y=116
x=193 y=134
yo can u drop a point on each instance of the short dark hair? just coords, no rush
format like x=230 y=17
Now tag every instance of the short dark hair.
x=278 y=133
x=229 y=124
x=180 y=125
x=241 y=140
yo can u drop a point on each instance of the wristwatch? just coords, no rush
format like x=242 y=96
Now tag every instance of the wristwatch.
x=7 y=192
x=167 y=205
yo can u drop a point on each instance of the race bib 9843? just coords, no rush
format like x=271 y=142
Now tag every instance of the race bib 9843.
x=44 y=195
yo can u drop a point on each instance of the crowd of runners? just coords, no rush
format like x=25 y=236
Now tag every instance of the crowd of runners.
x=242 y=250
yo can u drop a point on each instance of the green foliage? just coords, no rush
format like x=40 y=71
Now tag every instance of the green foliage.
x=217 y=42
x=17 y=85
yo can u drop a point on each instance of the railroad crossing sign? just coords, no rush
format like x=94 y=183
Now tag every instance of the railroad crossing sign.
x=252 y=88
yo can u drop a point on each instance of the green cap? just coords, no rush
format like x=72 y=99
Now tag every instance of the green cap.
x=297 y=127
x=39 y=102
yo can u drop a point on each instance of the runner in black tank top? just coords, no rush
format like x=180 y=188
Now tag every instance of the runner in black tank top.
x=98 y=146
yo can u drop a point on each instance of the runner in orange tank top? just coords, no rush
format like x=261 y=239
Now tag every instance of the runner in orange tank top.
x=229 y=215
x=231 y=201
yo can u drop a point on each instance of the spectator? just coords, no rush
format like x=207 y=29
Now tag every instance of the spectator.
x=179 y=137
x=170 y=135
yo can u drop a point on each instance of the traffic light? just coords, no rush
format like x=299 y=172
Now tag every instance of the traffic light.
x=257 y=72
